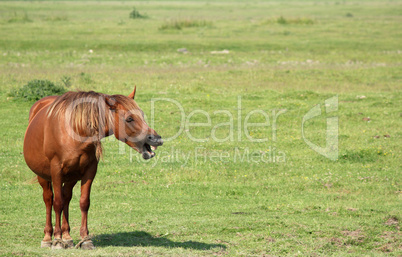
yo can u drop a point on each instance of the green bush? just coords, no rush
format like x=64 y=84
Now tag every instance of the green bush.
x=86 y=78
x=362 y=155
x=179 y=24
x=19 y=18
x=135 y=14
x=286 y=21
x=37 y=89
x=66 y=80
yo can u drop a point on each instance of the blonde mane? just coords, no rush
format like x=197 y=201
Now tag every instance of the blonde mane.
x=86 y=113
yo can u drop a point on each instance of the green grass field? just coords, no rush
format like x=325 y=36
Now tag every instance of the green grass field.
x=211 y=190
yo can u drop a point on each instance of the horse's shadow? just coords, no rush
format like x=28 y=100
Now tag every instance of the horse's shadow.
x=141 y=238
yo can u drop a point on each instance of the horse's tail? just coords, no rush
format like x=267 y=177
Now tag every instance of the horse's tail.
x=32 y=181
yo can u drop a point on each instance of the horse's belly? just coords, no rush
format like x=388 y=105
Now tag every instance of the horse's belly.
x=75 y=167
x=33 y=151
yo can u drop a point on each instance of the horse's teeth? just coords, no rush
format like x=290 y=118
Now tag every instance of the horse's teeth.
x=153 y=148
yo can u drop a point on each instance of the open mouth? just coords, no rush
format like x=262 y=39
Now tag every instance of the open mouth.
x=148 y=152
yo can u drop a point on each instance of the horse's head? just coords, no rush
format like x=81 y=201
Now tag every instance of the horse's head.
x=129 y=126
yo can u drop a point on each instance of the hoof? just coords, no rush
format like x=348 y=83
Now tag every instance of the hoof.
x=85 y=244
x=68 y=243
x=88 y=245
x=58 y=244
x=46 y=244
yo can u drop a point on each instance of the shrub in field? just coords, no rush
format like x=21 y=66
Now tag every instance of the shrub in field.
x=135 y=14
x=86 y=78
x=56 y=18
x=282 y=20
x=362 y=155
x=179 y=24
x=19 y=18
x=66 y=80
x=285 y=21
x=37 y=89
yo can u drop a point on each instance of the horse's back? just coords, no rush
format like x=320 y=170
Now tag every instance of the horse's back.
x=40 y=104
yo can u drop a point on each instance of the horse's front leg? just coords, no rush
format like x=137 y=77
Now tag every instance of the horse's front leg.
x=65 y=226
x=86 y=183
x=48 y=199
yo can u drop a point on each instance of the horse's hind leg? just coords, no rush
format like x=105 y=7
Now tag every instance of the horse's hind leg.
x=65 y=226
x=48 y=199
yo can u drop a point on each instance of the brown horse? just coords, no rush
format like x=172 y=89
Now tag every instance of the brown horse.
x=62 y=145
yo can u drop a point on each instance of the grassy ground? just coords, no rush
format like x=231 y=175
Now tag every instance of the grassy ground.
x=212 y=190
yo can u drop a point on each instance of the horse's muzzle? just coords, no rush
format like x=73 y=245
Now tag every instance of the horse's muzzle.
x=152 y=142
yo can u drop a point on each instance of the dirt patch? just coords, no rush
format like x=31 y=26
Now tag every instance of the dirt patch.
x=391 y=236
x=220 y=253
x=392 y=221
x=393 y=240
x=270 y=239
x=387 y=248
x=222 y=242
x=356 y=235
x=336 y=241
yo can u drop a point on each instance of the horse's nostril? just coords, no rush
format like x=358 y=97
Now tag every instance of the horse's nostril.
x=155 y=139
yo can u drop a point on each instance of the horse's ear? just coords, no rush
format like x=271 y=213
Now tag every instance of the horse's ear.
x=132 y=94
x=110 y=102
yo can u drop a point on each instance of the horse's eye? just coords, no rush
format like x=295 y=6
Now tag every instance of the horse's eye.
x=129 y=119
